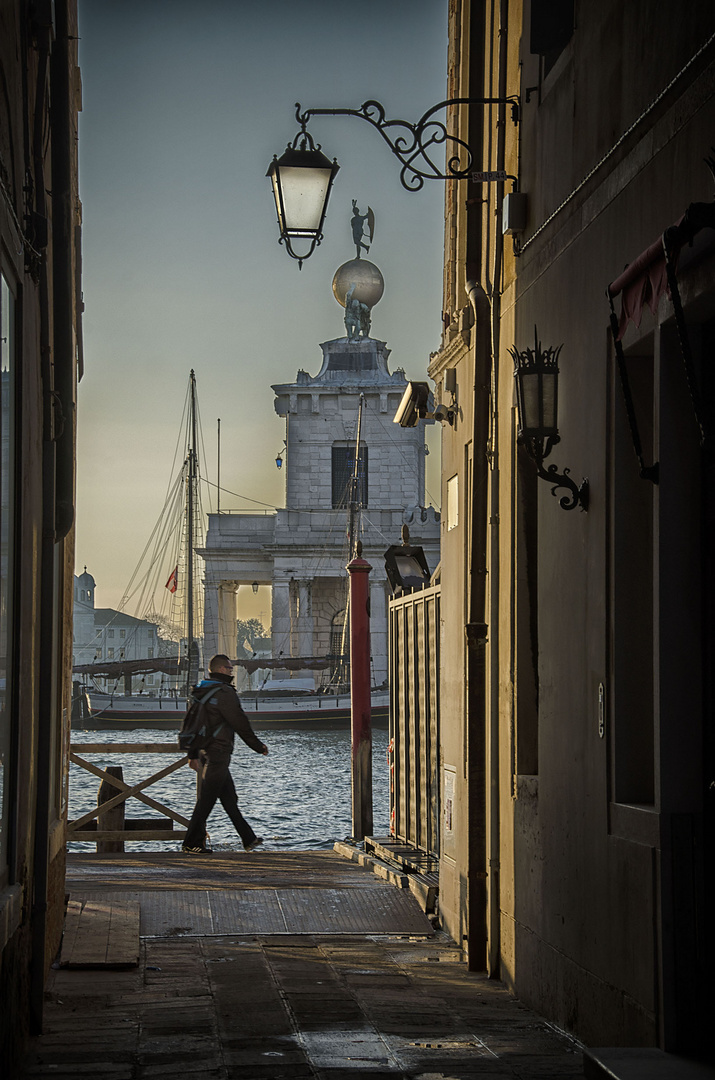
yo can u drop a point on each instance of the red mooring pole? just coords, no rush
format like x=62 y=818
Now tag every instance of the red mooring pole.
x=360 y=707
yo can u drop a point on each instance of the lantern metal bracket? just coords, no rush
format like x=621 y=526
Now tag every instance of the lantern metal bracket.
x=538 y=450
x=412 y=143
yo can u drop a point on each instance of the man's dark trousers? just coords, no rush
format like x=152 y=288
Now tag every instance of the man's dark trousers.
x=217 y=783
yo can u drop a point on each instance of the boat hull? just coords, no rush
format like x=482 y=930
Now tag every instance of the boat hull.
x=118 y=719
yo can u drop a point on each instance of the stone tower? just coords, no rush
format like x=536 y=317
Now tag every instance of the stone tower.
x=302 y=550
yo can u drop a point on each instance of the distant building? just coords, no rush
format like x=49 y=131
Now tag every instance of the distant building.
x=301 y=551
x=101 y=634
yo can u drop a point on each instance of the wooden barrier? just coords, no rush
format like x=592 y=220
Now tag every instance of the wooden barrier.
x=87 y=828
x=110 y=820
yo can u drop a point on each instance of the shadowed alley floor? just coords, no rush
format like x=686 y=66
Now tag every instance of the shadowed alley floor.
x=374 y=991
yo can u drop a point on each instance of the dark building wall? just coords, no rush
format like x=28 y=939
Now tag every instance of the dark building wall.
x=39 y=258
x=593 y=840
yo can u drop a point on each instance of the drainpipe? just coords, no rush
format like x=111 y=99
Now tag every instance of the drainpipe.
x=476 y=628
x=485 y=537
x=493 y=836
x=63 y=276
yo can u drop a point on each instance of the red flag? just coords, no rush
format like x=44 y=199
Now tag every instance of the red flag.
x=173 y=579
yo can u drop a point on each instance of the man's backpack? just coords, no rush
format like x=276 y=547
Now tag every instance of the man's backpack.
x=195 y=733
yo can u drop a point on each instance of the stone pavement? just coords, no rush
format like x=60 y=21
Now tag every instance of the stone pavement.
x=254 y=1005
x=273 y=1007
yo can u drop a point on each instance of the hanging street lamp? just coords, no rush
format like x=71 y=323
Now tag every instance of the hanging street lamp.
x=536 y=374
x=302 y=178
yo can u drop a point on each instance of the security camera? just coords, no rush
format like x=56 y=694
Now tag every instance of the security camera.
x=443 y=414
x=413 y=406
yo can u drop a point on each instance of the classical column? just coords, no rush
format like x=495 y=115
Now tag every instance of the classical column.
x=227 y=614
x=305 y=618
x=280 y=618
x=305 y=623
x=378 y=631
x=211 y=607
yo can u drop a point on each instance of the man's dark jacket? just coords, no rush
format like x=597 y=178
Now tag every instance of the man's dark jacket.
x=224 y=709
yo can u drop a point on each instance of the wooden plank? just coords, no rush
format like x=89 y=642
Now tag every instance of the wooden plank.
x=72 y=916
x=110 y=820
x=154 y=823
x=126 y=748
x=101 y=934
x=127 y=834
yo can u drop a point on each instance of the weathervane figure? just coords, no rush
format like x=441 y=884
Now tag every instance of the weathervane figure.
x=359 y=230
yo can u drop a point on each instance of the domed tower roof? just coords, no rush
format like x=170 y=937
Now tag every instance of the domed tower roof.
x=84 y=587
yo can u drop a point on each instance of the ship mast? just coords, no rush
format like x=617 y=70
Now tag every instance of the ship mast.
x=355 y=504
x=192 y=472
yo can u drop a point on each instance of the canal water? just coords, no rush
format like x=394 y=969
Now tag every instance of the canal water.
x=297 y=798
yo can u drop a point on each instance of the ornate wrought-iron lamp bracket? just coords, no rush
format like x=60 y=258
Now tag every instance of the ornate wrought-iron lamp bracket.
x=538 y=450
x=411 y=143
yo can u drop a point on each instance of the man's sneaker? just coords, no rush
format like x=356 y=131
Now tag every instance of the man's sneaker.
x=253 y=844
x=195 y=850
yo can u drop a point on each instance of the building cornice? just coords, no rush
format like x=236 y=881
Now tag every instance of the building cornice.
x=449 y=355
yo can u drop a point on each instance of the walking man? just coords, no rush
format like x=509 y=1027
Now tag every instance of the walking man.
x=225 y=717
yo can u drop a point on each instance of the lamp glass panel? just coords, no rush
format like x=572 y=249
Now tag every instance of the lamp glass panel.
x=304 y=194
x=531 y=419
x=410 y=571
x=549 y=400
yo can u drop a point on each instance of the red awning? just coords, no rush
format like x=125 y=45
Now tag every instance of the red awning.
x=643 y=282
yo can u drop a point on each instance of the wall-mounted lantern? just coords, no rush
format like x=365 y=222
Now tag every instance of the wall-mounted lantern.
x=279 y=457
x=254 y=587
x=405 y=565
x=536 y=373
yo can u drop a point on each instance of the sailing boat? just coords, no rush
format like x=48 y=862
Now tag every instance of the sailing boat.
x=171 y=550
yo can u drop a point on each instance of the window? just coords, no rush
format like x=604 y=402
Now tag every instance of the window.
x=552 y=24
x=150 y=653
x=122 y=633
x=121 y=654
x=7 y=500
x=110 y=633
x=453 y=502
x=343 y=469
x=110 y=654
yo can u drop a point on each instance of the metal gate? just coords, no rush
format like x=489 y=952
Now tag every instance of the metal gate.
x=414 y=718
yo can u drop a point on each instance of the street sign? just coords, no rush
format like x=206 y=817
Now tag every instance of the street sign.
x=487 y=177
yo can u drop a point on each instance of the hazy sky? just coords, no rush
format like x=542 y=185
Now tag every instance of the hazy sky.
x=184 y=105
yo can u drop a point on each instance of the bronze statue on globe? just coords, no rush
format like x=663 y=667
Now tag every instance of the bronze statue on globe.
x=358 y=285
